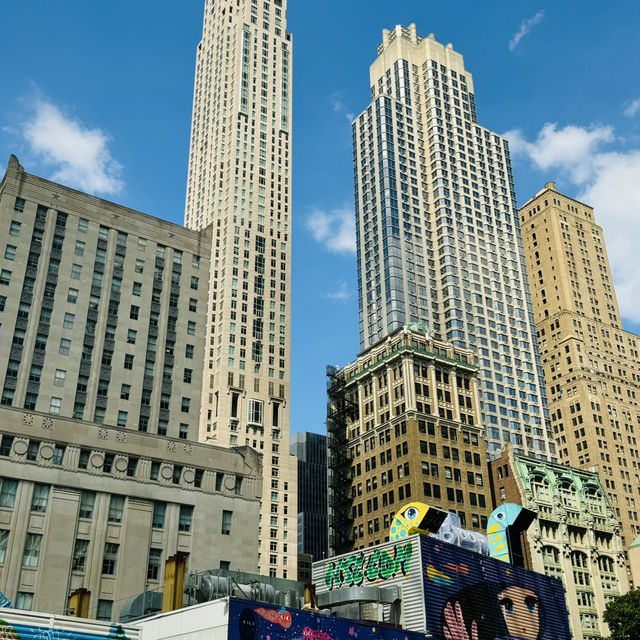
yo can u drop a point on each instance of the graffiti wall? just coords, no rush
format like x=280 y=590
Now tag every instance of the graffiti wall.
x=473 y=597
x=21 y=631
x=255 y=621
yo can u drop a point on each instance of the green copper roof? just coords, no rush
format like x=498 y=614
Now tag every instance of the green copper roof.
x=635 y=544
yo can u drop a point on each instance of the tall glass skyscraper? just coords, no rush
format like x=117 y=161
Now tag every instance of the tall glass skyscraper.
x=240 y=181
x=438 y=235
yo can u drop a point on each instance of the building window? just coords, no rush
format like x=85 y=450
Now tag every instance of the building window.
x=188 y=351
x=159 y=512
x=83 y=225
x=54 y=405
x=5 y=276
x=187 y=376
x=58 y=454
x=105 y=609
x=80 y=552
x=110 y=559
x=40 y=498
x=76 y=271
x=132 y=334
x=87 y=502
x=125 y=391
x=14 y=229
x=4 y=543
x=255 y=411
x=65 y=347
x=133 y=312
x=68 y=320
x=153 y=566
x=59 y=377
x=226 y=522
x=31 y=553
x=186 y=403
x=116 y=508
x=10 y=252
x=191 y=327
x=8 y=492
x=184 y=431
x=24 y=600
x=19 y=205
x=128 y=361
x=72 y=296
x=122 y=418
x=193 y=304
x=186 y=518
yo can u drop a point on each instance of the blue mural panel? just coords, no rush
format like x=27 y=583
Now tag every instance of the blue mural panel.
x=473 y=597
x=9 y=631
x=257 y=621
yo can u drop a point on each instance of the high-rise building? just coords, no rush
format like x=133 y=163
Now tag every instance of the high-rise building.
x=101 y=312
x=102 y=309
x=592 y=366
x=576 y=536
x=438 y=235
x=239 y=182
x=403 y=425
x=311 y=451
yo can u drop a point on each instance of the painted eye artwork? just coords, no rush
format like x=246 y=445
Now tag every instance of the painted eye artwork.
x=411 y=513
x=500 y=516
x=507 y=606
x=531 y=604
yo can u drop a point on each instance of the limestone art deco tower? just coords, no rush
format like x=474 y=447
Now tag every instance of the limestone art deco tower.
x=438 y=235
x=239 y=181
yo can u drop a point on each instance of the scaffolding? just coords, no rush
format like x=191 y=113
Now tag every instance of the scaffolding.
x=342 y=407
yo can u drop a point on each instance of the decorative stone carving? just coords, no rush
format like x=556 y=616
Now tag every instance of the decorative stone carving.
x=188 y=449
x=121 y=436
x=171 y=446
x=166 y=471
x=189 y=475
x=46 y=451
x=104 y=434
x=121 y=463
x=47 y=423
x=97 y=460
x=27 y=418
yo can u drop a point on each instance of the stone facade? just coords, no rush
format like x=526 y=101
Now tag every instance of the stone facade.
x=240 y=183
x=403 y=425
x=100 y=507
x=592 y=366
x=102 y=309
x=576 y=536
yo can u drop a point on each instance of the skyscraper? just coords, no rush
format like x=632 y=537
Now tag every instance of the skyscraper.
x=438 y=236
x=592 y=366
x=239 y=181
x=311 y=451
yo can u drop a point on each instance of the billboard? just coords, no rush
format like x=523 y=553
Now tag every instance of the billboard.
x=473 y=597
x=257 y=621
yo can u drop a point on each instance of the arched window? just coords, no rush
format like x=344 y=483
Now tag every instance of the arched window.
x=581 y=573
x=551 y=561
x=568 y=494
x=540 y=489
x=595 y=500
x=608 y=577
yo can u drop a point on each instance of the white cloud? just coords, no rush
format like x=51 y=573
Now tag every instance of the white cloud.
x=338 y=106
x=80 y=156
x=632 y=108
x=335 y=229
x=525 y=27
x=606 y=180
x=340 y=293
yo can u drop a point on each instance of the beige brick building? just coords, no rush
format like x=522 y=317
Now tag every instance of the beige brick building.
x=403 y=425
x=576 y=536
x=592 y=366
x=240 y=183
x=102 y=507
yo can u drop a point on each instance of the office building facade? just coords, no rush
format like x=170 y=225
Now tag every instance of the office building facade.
x=311 y=451
x=438 y=236
x=592 y=365
x=239 y=182
x=102 y=309
x=404 y=425
x=575 y=537
x=84 y=505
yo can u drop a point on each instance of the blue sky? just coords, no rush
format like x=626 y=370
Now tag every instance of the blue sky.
x=98 y=96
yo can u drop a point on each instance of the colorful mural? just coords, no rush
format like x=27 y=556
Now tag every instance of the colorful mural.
x=10 y=631
x=246 y=623
x=505 y=525
x=369 y=566
x=415 y=517
x=451 y=531
x=5 y=603
x=473 y=597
